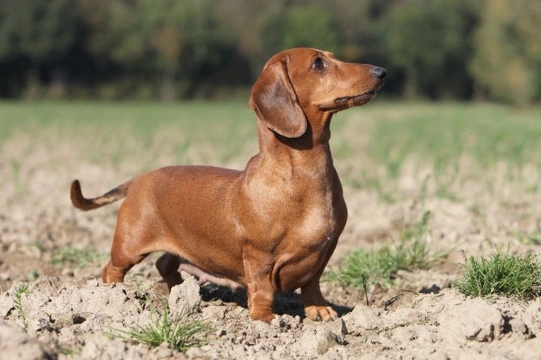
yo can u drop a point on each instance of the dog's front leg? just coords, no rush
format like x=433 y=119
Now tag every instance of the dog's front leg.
x=315 y=306
x=260 y=290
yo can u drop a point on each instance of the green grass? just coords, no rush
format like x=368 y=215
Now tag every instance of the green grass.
x=455 y=143
x=501 y=274
x=77 y=257
x=441 y=134
x=178 y=332
x=528 y=238
x=67 y=351
x=17 y=299
x=380 y=266
x=144 y=131
x=434 y=135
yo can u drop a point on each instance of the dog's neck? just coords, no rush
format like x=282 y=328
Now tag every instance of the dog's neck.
x=310 y=151
x=315 y=137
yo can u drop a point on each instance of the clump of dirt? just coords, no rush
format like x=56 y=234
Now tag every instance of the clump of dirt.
x=65 y=317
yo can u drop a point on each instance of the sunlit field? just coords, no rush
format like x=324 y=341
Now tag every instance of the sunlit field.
x=380 y=136
x=397 y=152
x=430 y=188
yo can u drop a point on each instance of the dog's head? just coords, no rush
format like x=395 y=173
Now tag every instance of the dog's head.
x=298 y=83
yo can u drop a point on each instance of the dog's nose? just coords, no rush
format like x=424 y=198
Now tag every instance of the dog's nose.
x=379 y=72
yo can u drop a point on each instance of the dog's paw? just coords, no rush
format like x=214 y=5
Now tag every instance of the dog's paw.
x=265 y=316
x=320 y=313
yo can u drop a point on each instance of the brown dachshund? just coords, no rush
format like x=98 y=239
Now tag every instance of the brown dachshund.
x=270 y=228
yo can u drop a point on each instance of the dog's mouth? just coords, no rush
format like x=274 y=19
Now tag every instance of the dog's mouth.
x=356 y=100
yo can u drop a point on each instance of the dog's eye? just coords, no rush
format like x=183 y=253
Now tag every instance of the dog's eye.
x=318 y=64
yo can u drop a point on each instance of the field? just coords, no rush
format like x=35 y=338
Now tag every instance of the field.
x=446 y=182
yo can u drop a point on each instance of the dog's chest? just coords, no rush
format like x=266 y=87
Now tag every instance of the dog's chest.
x=316 y=210
x=321 y=218
x=317 y=225
x=307 y=246
x=301 y=207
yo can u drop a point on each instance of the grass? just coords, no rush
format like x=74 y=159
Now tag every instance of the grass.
x=380 y=266
x=440 y=137
x=184 y=131
x=443 y=134
x=501 y=274
x=77 y=257
x=178 y=332
x=17 y=298
x=66 y=351
x=455 y=143
x=528 y=238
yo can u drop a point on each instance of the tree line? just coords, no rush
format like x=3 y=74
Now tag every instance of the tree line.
x=183 y=49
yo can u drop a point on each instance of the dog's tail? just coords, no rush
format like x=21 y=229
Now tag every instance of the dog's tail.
x=80 y=202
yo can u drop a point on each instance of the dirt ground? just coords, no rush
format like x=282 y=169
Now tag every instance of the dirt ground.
x=69 y=313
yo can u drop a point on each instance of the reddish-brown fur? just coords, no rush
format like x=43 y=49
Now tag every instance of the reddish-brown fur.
x=269 y=228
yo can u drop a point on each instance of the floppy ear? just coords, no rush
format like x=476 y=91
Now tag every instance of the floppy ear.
x=275 y=102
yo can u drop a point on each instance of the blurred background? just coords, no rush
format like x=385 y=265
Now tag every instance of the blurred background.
x=206 y=49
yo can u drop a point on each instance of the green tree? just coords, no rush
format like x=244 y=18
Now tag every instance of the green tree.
x=37 y=33
x=175 y=41
x=429 y=42
x=355 y=24
x=247 y=24
x=507 y=59
x=309 y=26
x=299 y=26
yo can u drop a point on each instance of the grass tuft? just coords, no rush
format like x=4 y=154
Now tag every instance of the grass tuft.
x=178 y=333
x=380 y=266
x=77 y=257
x=66 y=351
x=501 y=274
x=17 y=298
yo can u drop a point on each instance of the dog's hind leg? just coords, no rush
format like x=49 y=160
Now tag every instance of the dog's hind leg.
x=122 y=260
x=114 y=273
x=131 y=244
x=168 y=267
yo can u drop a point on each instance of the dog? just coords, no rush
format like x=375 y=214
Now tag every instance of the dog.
x=270 y=228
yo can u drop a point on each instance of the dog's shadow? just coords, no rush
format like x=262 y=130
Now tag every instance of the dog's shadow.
x=287 y=303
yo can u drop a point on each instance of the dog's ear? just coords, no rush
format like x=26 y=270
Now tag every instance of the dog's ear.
x=275 y=102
